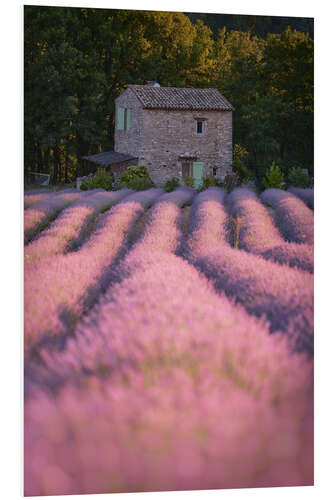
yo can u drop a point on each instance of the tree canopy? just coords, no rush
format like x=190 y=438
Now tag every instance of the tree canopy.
x=78 y=60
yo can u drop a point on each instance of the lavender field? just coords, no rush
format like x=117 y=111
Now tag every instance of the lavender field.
x=168 y=340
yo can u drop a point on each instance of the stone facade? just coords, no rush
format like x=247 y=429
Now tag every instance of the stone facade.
x=167 y=142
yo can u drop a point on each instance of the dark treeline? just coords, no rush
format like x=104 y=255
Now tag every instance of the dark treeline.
x=78 y=60
x=257 y=25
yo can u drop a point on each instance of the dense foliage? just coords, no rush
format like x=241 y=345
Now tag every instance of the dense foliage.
x=298 y=177
x=189 y=181
x=100 y=179
x=274 y=177
x=171 y=184
x=209 y=181
x=136 y=178
x=78 y=60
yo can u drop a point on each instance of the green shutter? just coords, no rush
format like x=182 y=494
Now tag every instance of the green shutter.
x=198 y=173
x=121 y=118
x=128 y=119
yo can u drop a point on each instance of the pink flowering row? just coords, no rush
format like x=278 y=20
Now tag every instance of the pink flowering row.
x=43 y=211
x=60 y=288
x=71 y=225
x=31 y=198
x=305 y=194
x=294 y=218
x=162 y=231
x=259 y=235
x=168 y=386
x=283 y=294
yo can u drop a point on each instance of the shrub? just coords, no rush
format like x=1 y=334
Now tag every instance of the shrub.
x=230 y=181
x=86 y=183
x=171 y=184
x=189 y=181
x=141 y=184
x=136 y=178
x=209 y=181
x=274 y=177
x=100 y=179
x=298 y=177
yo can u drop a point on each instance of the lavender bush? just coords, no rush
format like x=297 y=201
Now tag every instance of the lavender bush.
x=204 y=398
x=259 y=235
x=282 y=294
x=31 y=198
x=70 y=226
x=58 y=289
x=43 y=211
x=305 y=194
x=295 y=220
x=143 y=373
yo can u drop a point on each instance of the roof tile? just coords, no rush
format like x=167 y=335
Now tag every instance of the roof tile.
x=181 y=98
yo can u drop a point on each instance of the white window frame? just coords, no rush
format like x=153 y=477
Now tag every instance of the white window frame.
x=203 y=122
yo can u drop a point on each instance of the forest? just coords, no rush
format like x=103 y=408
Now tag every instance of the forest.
x=78 y=60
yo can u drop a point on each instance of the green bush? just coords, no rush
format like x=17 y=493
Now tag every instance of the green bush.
x=274 y=177
x=189 y=181
x=209 y=181
x=230 y=181
x=299 y=178
x=141 y=184
x=136 y=178
x=171 y=184
x=100 y=179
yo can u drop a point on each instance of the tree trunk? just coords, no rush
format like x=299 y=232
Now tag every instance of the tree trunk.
x=66 y=167
x=55 y=165
x=39 y=159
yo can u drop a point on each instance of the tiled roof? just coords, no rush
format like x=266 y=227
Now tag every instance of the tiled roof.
x=181 y=98
x=108 y=158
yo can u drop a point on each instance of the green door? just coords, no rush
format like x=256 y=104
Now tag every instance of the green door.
x=197 y=173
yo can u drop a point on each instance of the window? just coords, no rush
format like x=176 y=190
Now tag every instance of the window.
x=123 y=119
x=214 y=171
x=199 y=127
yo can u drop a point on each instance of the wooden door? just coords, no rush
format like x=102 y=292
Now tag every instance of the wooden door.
x=186 y=169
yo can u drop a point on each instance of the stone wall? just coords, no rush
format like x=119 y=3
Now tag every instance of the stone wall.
x=159 y=138
x=129 y=141
x=169 y=135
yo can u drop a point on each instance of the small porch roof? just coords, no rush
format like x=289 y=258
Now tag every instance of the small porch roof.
x=108 y=158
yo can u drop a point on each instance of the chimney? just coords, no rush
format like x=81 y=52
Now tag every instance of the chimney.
x=152 y=83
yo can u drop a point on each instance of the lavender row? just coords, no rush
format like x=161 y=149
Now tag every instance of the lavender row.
x=183 y=394
x=162 y=231
x=294 y=218
x=259 y=235
x=59 y=289
x=34 y=197
x=306 y=195
x=283 y=294
x=70 y=226
x=36 y=217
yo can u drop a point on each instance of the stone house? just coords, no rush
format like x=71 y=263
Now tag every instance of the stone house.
x=174 y=132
